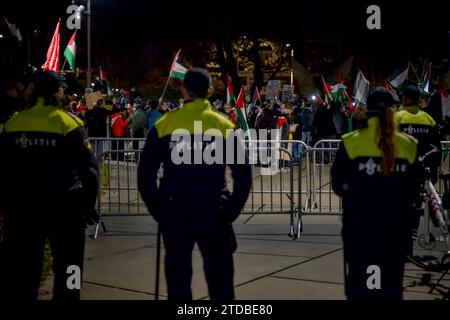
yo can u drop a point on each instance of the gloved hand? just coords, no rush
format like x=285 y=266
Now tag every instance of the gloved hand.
x=157 y=204
x=90 y=217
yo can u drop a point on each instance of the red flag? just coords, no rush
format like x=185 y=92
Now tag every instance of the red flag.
x=52 y=63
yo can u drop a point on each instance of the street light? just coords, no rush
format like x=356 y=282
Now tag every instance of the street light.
x=1 y=36
x=87 y=10
x=79 y=11
x=292 y=66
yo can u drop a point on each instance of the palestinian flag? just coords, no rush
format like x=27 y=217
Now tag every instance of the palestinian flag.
x=398 y=78
x=240 y=110
x=256 y=97
x=424 y=86
x=14 y=31
x=177 y=70
x=361 y=88
x=394 y=91
x=230 y=94
x=337 y=91
x=70 y=51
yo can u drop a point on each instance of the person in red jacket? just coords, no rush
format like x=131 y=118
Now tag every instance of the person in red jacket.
x=119 y=125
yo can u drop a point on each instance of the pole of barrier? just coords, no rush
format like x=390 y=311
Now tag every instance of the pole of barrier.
x=299 y=209
x=291 y=192
x=158 y=260
x=99 y=195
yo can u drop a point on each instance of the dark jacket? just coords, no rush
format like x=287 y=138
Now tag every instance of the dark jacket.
x=8 y=107
x=139 y=124
x=152 y=117
x=323 y=123
x=200 y=187
x=307 y=118
x=96 y=122
x=47 y=161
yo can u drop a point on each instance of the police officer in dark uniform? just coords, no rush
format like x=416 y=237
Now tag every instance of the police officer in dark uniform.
x=48 y=188
x=192 y=204
x=419 y=124
x=375 y=173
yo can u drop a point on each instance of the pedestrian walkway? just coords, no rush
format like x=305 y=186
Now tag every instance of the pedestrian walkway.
x=268 y=264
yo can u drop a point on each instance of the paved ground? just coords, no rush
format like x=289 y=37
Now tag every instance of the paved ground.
x=120 y=264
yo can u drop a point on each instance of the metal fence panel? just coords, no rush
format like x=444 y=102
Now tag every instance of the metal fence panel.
x=294 y=188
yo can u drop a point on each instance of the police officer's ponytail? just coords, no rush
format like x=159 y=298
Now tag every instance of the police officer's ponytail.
x=387 y=142
x=380 y=104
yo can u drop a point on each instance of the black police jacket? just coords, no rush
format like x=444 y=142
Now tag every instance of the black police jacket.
x=377 y=210
x=46 y=161
x=179 y=141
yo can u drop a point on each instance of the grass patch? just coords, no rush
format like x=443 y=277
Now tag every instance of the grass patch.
x=48 y=261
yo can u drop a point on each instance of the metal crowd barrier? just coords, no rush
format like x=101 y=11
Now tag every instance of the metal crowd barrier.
x=296 y=188
x=321 y=198
x=273 y=192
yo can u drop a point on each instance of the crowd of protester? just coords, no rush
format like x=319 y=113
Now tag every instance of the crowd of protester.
x=127 y=115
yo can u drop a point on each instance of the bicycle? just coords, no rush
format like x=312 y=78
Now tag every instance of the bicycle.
x=431 y=250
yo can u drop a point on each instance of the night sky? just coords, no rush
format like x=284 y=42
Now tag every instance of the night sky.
x=417 y=28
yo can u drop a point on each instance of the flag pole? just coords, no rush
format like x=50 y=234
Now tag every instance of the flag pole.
x=168 y=79
x=64 y=64
x=164 y=91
